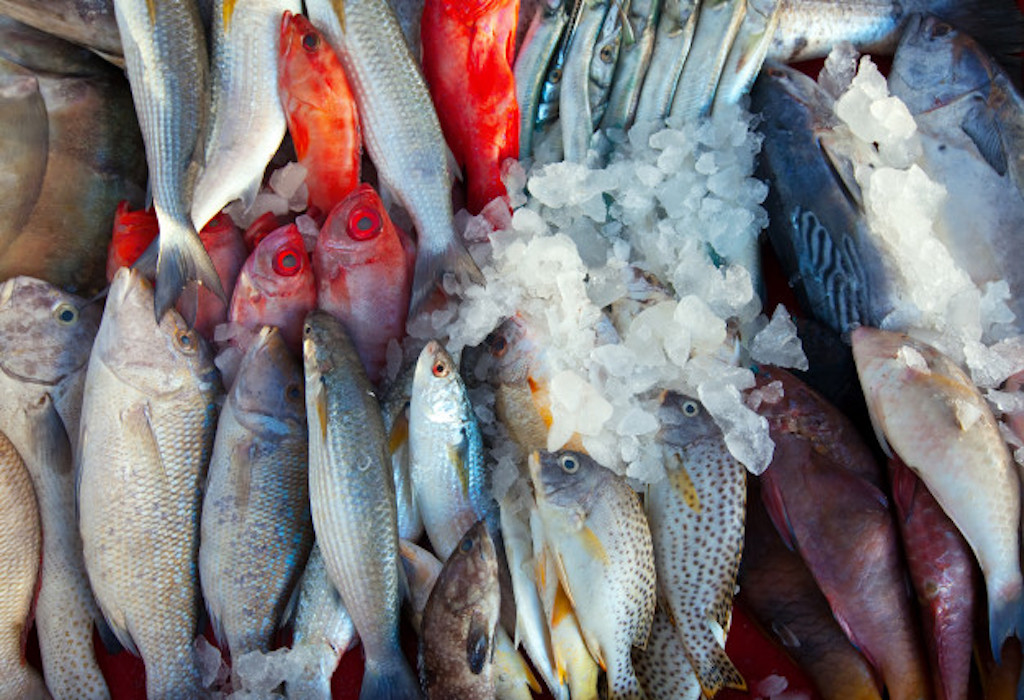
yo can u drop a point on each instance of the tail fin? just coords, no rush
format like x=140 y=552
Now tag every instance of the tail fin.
x=431 y=268
x=1005 y=617
x=393 y=681
x=182 y=258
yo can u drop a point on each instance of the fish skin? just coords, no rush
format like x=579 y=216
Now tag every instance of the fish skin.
x=632 y=63
x=45 y=339
x=601 y=545
x=824 y=492
x=320 y=110
x=352 y=499
x=717 y=26
x=662 y=667
x=168 y=68
x=364 y=276
x=246 y=122
x=574 y=110
x=699 y=508
x=672 y=41
x=468 y=52
x=83 y=22
x=936 y=421
x=223 y=241
x=748 y=51
x=256 y=530
x=148 y=422
x=401 y=132
x=133 y=232
x=395 y=409
x=530 y=69
x=603 y=63
x=21 y=545
x=24 y=137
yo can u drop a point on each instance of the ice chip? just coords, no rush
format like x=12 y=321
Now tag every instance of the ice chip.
x=212 y=669
x=287 y=179
x=746 y=433
x=778 y=344
x=913 y=359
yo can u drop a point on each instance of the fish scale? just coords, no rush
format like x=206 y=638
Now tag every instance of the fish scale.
x=662 y=667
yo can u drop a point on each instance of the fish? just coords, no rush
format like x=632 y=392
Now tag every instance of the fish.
x=149 y=417
x=574 y=110
x=535 y=53
x=672 y=41
x=603 y=63
x=363 y=264
x=168 y=69
x=446 y=453
x=824 y=493
x=747 y=53
x=320 y=111
x=459 y=621
x=396 y=397
x=24 y=137
x=696 y=518
x=600 y=543
x=21 y=545
x=409 y=13
x=662 y=667
x=256 y=531
x=546 y=141
x=401 y=132
x=46 y=336
x=468 y=53
x=224 y=242
x=631 y=66
x=928 y=412
x=83 y=22
x=718 y=24
x=133 y=231
x=352 y=498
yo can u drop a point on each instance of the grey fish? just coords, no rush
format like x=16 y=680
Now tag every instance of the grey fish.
x=89 y=23
x=672 y=42
x=633 y=61
x=718 y=23
x=530 y=70
x=23 y=143
x=148 y=422
x=395 y=409
x=256 y=530
x=400 y=130
x=168 y=68
x=46 y=336
x=352 y=498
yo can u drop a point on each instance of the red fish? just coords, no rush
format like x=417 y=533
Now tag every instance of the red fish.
x=223 y=241
x=363 y=265
x=468 y=52
x=133 y=232
x=321 y=112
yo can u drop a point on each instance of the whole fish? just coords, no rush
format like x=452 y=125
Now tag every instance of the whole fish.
x=166 y=60
x=603 y=62
x=20 y=545
x=928 y=412
x=395 y=409
x=672 y=41
x=633 y=60
x=696 y=518
x=84 y=22
x=601 y=546
x=530 y=69
x=46 y=336
x=363 y=266
x=352 y=498
x=148 y=422
x=823 y=491
x=256 y=530
x=246 y=122
x=664 y=670
x=24 y=138
x=574 y=110
x=468 y=52
x=320 y=110
x=401 y=131
x=717 y=26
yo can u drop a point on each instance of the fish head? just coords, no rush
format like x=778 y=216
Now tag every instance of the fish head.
x=436 y=385
x=470 y=575
x=305 y=71
x=782 y=93
x=566 y=480
x=269 y=386
x=326 y=345
x=278 y=272
x=358 y=232
x=684 y=421
x=46 y=334
x=513 y=352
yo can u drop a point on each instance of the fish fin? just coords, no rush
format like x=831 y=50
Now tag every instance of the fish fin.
x=842 y=169
x=680 y=481
x=182 y=258
x=904 y=488
x=453 y=164
x=393 y=681
x=1005 y=618
x=980 y=124
x=563 y=578
x=110 y=641
x=457 y=455
x=431 y=268
x=50 y=441
x=876 y=426
x=479 y=644
x=146 y=263
x=775 y=506
x=717 y=671
x=399 y=434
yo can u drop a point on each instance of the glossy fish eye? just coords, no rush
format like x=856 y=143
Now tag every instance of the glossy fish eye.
x=939 y=29
x=287 y=262
x=311 y=41
x=186 y=341
x=499 y=346
x=440 y=369
x=556 y=75
x=65 y=313
x=466 y=544
x=606 y=53
x=690 y=409
x=569 y=464
x=364 y=223
x=293 y=392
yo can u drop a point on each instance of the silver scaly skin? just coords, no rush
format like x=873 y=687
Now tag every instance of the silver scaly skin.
x=633 y=61
x=532 y=60
x=574 y=93
x=748 y=51
x=717 y=27
x=672 y=41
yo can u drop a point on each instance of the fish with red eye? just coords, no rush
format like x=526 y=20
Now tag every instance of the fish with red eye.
x=468 y=52
x=320 y=110
x=364 y=265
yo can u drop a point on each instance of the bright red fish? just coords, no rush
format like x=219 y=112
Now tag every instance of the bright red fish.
x=364 y=265
x=468 y=51
x=320 y=110
x=223 y=241
x=133 y=232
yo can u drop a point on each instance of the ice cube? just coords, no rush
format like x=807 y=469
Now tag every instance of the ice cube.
x=777 y=343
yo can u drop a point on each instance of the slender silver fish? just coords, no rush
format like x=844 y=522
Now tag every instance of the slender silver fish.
x=532 y=60
x=717 y=26
x=748 y=51
x=631 y=67
x=602 y=63
x=395 y=408
x=574 y=112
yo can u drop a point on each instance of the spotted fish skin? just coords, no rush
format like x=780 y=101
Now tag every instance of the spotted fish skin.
x=699 y=509
x=662 y=666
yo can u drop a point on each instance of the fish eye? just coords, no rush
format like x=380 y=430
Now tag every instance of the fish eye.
x=939 y=29
x=556 y=75
x=186 y=341
x=466 y=544
x=293 y=392
x=569 y=464
x=65 y=313
x=287 y=262
x=690 y=409
x=440 y=369
x=364 y=223
x=499 y=346
x=606 y=54
x=310 y=41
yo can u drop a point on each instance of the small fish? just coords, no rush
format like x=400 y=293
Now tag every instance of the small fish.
x=672 y=42
x=395 y=408
x=320 y=110
x=717 y=26
x=664 y=670
x=530 y=69
x=633 y=60
x=363 y=266
x=352 y=498
x=748 y=50
x=603 y=62
x=601 y=546
x=574 y=111
x=148 y=422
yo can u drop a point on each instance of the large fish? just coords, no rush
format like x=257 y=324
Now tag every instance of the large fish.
x=88 y=23
x=46 y=336
x=148 y=422
x=24 y=136
x=400 y=131
x=352 y=498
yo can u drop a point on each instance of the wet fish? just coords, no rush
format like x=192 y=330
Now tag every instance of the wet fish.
x=84 y=22
x=601 y=547
x=134 y=230
x=672 y=41
x=603 y=63
x=662 y=667
x=718 y=24
x=224 y=242
x=256 y=530
x=696 y=518
x=148 y=422
x=409 y=13
x=574 y=110
x=395 y=409
x=46 y=336
x=632 y=63
x=530 y=69
x=352 y=499
x=23 y=141
x=748 y=51
x=400 y=131
x=927 y=411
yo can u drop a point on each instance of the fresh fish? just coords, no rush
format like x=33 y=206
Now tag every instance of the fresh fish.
x=603 y=62
x=166 y=60
x=631 y=67
x=672 y=42
x=468 y=52
x=88 y=23
x=662 y=667
x=363 y=265
x=352 y=499
x=24 y=138
x=256 y=530
x=45 y=339
x=601 y=547
x=148 y=422
x=400 y=131
x=395 y=409
x=322 y=631
x=409 y=13
x=224 y=242
x=574 y=112
x=321 y=112
x=133 y=232
x=696 y=518
x=748 y=51
x=717 y=26
x=21 y=546
x=547 y=132
x=928 y=412
x=246 y=121
x=530 y=70
x=823 y=491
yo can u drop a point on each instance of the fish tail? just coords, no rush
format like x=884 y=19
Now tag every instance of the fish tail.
x=392 y=681
x=432 y=267
x=311 y=688
x=182 y=259
x=717 y=671
x=1005 y=616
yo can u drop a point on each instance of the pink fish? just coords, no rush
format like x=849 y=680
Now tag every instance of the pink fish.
x=223 y=241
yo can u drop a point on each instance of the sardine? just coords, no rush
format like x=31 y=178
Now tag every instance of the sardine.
x=574 y=112
x=352 y=498
x=664 y=670
x=672 y=42
x=718 y=24
x=23 y=141
x=748 y=51
x=148 y=422
x=530 y=69
x=603 y=62
x=395 y=410
x=632 y=64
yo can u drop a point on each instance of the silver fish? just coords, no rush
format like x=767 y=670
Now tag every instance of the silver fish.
x=603 y=62
x=672 y=42
x=530 y=70
x=148 y=422
x=574 y=113
x=395 y=408
x=633 y=61
x=352 y=498
x=748 y=51
x=717 y=26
